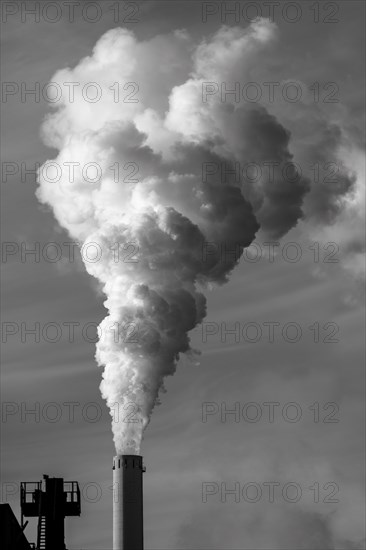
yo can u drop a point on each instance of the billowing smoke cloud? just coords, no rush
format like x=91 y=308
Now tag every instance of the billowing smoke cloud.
x=145 y=203
x=245 y=133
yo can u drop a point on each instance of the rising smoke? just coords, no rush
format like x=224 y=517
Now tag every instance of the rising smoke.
x=167 y=211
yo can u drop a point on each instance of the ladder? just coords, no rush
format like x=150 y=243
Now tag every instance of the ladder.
x=41 y=534
x=41 y=531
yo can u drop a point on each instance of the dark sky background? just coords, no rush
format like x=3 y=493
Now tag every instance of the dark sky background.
x=180 y=451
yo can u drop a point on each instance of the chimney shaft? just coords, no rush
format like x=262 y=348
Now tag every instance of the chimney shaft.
x=127 y=503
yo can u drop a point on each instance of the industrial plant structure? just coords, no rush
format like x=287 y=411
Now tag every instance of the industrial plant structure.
x=50 y=500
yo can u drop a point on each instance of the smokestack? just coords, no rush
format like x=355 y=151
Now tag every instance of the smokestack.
x=127 y=503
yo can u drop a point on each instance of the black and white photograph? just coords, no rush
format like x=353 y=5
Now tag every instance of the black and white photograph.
x=183 y=275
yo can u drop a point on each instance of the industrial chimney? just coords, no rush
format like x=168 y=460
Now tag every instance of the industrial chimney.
x=127 y=503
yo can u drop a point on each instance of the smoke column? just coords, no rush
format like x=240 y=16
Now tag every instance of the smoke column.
x=128 y=185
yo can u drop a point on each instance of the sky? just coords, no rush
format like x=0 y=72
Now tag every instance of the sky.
x=282 y=332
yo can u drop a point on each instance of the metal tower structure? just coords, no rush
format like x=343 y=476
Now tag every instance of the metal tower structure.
x=51 y=500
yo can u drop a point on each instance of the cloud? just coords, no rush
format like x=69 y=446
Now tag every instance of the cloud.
x=167 y=128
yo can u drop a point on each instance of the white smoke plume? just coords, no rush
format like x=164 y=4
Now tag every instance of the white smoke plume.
x=167 y=211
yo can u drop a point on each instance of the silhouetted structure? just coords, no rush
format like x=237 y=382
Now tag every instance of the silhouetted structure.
x=51 y=500
x=12 y=536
